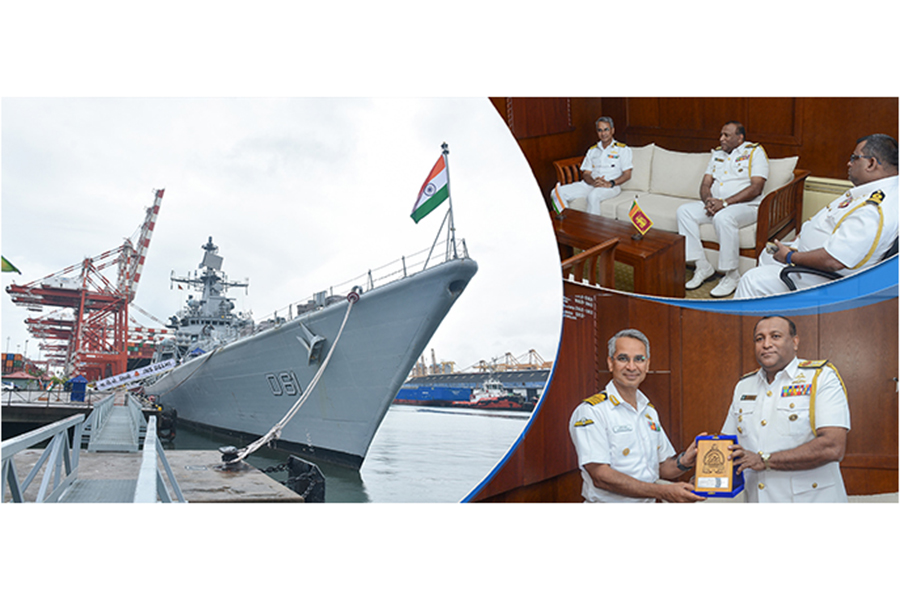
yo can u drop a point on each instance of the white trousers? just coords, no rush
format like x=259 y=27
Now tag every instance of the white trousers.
x=727 y=222
x=765 y=280
x=594 y=195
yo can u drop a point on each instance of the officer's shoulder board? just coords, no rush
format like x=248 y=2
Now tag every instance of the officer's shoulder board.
x=876 y=198
x=597 y=399
x=620 y=144
x=753 y=145
x=592 y=147
x=812 y=364
x=750 y=374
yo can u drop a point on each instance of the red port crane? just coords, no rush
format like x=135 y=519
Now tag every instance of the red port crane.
x=89 y=331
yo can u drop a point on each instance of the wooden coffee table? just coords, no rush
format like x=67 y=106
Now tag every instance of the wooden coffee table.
x=657 y=258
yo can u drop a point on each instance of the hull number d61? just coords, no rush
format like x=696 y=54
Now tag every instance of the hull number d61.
x=283 y=383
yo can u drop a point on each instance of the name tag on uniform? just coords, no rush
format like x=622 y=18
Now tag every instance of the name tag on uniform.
x=622 y=429
x=748 y=398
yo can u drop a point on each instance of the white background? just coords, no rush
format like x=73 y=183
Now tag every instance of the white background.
x=395 y=49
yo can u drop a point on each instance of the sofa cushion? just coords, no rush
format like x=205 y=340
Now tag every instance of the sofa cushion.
x=677 y=173
x=781 y=171
x=611 y=208
x=642 y=163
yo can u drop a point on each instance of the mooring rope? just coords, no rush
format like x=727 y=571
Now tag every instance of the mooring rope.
x=275 y=432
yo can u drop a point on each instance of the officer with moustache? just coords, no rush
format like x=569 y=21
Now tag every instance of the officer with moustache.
x=622 y=448
x=791 y=418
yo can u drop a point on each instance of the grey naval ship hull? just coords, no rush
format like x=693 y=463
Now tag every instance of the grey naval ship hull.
x=247 y=386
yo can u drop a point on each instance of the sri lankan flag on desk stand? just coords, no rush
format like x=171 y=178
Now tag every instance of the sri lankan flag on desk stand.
x=639 y=218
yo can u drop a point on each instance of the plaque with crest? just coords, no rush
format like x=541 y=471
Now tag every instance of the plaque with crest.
x=714 y=474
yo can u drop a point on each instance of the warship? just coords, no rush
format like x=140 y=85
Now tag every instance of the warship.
x=241 y=377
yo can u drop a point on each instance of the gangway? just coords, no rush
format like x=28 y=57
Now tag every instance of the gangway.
x=115 y=425
x=57 y=467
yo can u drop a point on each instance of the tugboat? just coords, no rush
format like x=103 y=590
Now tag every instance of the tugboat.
x=242 y=377
x=493 y=396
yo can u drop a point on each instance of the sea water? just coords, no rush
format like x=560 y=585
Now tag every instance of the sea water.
x=419 y=454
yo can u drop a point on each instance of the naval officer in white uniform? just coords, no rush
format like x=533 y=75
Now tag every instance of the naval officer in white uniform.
x=730 y=193
x=606 y=166
x=853 y=232
x=622 y=448
x=791 y=418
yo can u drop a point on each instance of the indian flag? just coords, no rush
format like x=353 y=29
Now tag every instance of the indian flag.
x=639 y=218
x=558 y=204
x=435 y=190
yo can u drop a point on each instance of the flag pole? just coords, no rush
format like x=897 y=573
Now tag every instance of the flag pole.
x=452 y=228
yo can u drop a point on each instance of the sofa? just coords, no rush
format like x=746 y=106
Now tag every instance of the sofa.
x=662 y=180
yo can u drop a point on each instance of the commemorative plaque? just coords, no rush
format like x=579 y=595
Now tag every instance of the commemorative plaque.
x=714 y=474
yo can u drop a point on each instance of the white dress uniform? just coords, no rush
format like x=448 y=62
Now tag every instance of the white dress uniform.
x=607 y=430
x=804 y=396
x=731 y=173
x=856 y=228
x=610 y=163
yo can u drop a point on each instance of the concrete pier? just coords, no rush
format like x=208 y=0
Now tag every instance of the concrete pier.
x=111 y=476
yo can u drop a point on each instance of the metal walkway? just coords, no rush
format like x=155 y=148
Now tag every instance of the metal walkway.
x=114 y=426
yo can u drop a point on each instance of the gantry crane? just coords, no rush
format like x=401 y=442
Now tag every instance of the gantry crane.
x=88 y=332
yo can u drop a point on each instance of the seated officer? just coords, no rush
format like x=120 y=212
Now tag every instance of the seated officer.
x=606 y=166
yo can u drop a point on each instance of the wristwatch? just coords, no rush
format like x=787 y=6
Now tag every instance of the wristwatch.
x=765 y=458
x=724 y=203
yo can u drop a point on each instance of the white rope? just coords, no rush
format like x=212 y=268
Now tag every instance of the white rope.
x=275 y=432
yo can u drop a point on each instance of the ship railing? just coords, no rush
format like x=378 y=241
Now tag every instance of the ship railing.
x=55 y=397
x=396 y=270
x=139 y=425
x=96 y=419
x=57 y=465
x=151 y=486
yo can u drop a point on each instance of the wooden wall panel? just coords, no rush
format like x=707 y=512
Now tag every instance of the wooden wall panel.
x=711 y=360
x=541 y=151
x=696 y=359
x=863 y=346
x=533 y=117
x=821 y=131
x=693 y=124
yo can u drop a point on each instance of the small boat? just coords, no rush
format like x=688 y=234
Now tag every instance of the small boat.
x=493 y=396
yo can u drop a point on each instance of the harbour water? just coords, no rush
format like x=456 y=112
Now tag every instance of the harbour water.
x=420 y=454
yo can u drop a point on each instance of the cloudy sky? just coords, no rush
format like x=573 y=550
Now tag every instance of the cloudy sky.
x=299 y=194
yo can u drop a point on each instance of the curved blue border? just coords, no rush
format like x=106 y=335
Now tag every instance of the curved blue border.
x=490 y=476
x=871 y=286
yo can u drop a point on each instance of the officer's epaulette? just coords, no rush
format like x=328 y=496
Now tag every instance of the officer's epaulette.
x=596 y=399
x=592 y=147
x=718 y=148
x=812 y=364
x=876 y=198
x=750 y=374
x=620 y=144
x=753 y=145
